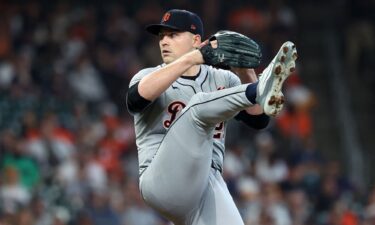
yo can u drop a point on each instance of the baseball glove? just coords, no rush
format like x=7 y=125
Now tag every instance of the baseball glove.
x=233 y=50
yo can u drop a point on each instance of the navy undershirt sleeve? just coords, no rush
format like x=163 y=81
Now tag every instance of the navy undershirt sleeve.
x=254 y=121
x=134 y=101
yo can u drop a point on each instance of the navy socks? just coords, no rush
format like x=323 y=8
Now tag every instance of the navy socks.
x=251 y=92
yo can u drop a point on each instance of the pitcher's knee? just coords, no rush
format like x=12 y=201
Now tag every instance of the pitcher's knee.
x=197 y=99
x=198 y=107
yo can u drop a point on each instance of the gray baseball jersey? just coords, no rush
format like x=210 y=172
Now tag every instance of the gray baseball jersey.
x=179 y=135
x=152 y=124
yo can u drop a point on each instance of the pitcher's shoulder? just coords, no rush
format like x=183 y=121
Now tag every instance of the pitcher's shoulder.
x=142 y=73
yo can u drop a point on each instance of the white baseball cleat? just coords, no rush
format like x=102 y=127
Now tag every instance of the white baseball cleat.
x=269 y=94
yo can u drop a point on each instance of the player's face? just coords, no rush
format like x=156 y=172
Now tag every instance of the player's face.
x=174 y=44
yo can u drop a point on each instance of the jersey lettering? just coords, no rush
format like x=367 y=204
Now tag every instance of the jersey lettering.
x=173 y=109
x=219 y=129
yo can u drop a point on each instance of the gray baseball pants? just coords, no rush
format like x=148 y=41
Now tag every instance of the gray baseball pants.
x=180 y=183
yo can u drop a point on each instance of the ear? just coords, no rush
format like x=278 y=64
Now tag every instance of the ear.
x=197 y=40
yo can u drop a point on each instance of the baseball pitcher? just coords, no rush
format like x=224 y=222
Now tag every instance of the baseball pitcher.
x=180 y=110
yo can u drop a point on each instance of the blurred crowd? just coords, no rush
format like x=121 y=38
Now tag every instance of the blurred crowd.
x=67 y=145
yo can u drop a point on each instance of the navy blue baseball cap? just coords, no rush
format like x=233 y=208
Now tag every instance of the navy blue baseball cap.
x=180 y=20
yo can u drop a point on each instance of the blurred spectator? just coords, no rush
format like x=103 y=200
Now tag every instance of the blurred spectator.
x=85 y=81
x=369 y=215
x=360 y=33
x=342 y=214
x=115 y=143
x=5 y=37
x=137 y=213
x=249 y=203
x=24 y=217
x=333 y=170
x=270 y=167
x=308 y=159
x=16 y=157
x=7 y=74
x=99 y=209
x=282 y=24
x=294 y=179
x=299 y=206
x=328 y=194
x=81 y=176
x=83 y=219
x=40 y=212
x=50 y=145
x=295 y=123
x=274 y=206
x=236 y=162
x=248 y=20
x=13 y=194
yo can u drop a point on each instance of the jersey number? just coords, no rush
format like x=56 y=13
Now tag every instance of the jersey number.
x=219 y=130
